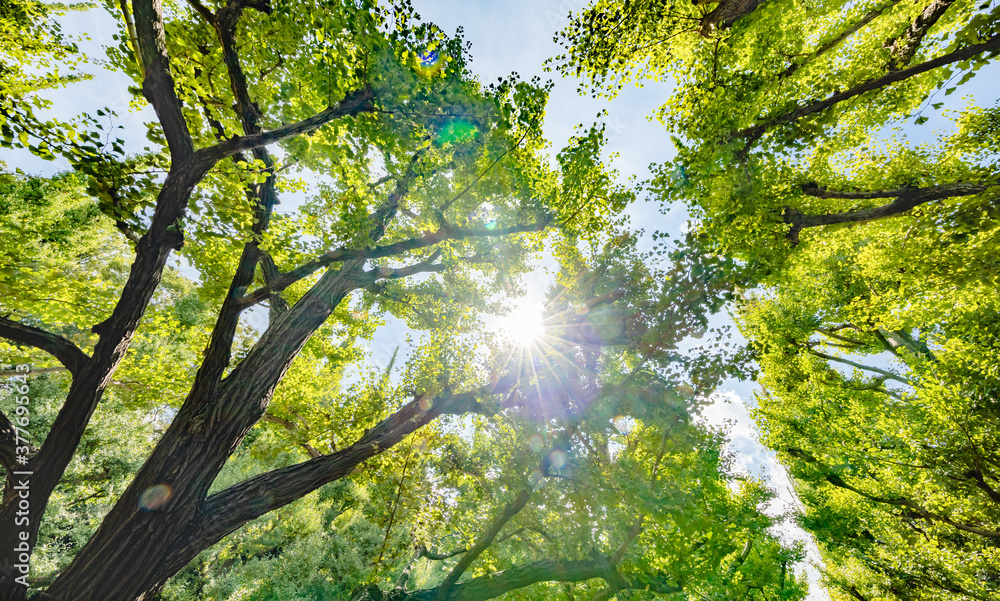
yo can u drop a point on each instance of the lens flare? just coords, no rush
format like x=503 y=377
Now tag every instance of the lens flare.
x=154 y=497
x=536 y=479
x=429 y=58
x=429 y=63
x=557 y=459
x=456 y=132
x=622 y=424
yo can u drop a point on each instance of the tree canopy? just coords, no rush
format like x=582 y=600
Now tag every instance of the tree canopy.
x=212 y=428
x=867 y=248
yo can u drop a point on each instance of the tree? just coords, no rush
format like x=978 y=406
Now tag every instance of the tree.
x=894 y=460
x=431 y=194
x=869 y=259
x=779 y=119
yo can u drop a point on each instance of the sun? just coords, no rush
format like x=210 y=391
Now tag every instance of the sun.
x=524 y=323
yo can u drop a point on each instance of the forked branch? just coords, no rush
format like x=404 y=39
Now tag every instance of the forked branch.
x=447 y=232
x=905 y=199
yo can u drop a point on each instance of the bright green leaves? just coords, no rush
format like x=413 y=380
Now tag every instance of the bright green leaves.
x=590 y=196
x=874 y=398
x=53 y=239
x=869 y=318
x=29 y=36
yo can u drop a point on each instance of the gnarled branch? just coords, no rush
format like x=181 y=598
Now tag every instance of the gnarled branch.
x=62 y=349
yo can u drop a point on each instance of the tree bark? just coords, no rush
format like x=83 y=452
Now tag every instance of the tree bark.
x=902 y=49
x=726 y=14
x=905 y=200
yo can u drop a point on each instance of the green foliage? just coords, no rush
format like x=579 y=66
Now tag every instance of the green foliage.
x=867 y=255
x=425 y=207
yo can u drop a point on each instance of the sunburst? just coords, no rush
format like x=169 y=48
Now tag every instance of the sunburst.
x=524 y=323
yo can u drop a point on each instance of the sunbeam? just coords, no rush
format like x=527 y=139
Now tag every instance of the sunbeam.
x=524 y=323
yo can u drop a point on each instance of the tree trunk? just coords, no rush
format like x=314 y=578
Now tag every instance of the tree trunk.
x=158 y=513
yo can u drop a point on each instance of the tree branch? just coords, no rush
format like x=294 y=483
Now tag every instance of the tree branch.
x=203 y=11
x=357 y=101
x=158 y=84
x=980 y=481
x=440 y=556
x=906 y=45
x=484 y=540
x=834 y=42
x=921 y=511
x=447 y=232
x=219 y=350
x=887 y=374
x=62 y=349
x=726 y=14
x=229 y=509
x=499 y=583
x=835 y=336
x=426 y=266
x=905 y=200
x=753 y=133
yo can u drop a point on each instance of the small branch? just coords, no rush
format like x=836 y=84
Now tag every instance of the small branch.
x=888 y=374
x=358 y=101
x=629 y=537
x=62 y=349
x=977 y=477
x=395 y=506
x=494 y=585
x=132 y=37
x=753 y=133
x=426 y=266
x=835 y=336
x=742 y=556
x=440 y=556
x=833 y=43
x=448 y=232
x=404 y=576
x=203 y=10
x=487 y=537
x=484 y=540
x=921 y=511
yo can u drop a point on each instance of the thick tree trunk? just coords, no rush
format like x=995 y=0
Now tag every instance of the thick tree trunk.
x=20 y=517
x=158 y=511
x=903 y=48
